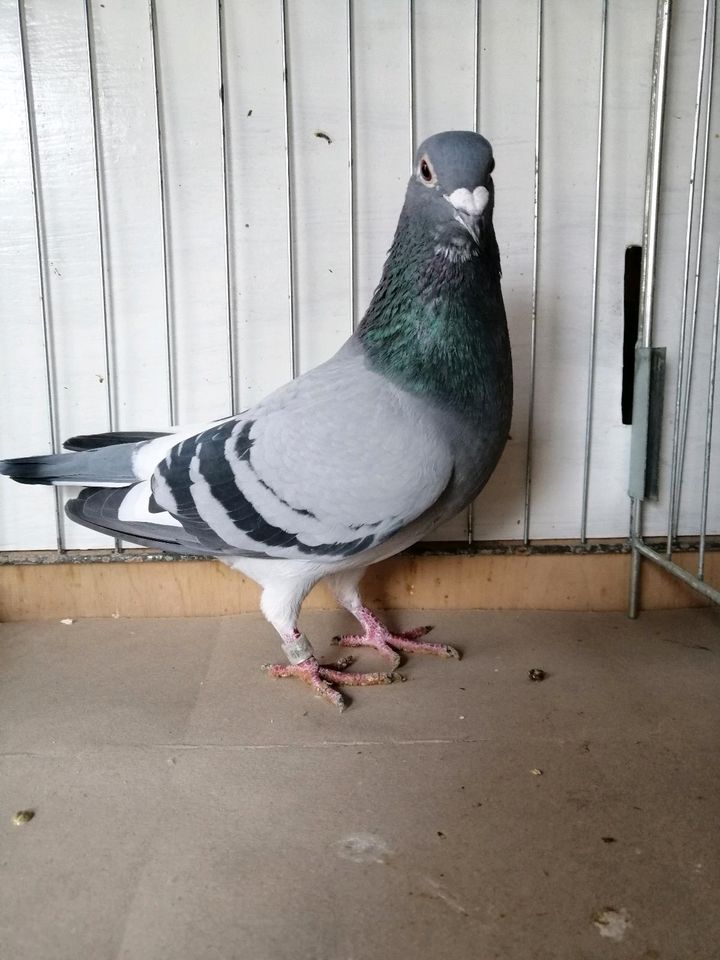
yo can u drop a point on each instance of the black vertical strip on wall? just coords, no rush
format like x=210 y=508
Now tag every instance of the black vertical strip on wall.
x=631 y=319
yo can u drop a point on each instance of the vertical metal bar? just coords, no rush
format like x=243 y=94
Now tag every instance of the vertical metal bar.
x=411 y=80
x=686 y=284
x=169 y=325
x=107 y=333
x=108 y=342
x=39 y=254
x=351 y=162
x=476 y=68
x=635 y=526
x=652 y=183
x=685 y=402
x=647 y=278
x=535 y=262
x=593 y=303
x=230 y=318
x=470 y=515
x=709 y=426
x=289 y=187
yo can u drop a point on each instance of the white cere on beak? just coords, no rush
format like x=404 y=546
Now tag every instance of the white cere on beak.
x=468 y=203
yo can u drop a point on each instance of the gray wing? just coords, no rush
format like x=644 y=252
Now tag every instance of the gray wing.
x=331 y=465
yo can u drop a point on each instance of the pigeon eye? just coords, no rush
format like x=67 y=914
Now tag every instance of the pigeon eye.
x=426 y=171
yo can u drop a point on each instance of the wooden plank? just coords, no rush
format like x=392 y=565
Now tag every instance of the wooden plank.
x=196 y=588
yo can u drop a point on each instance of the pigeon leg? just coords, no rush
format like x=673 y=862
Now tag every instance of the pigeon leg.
x=376 y=634
x=280 y=602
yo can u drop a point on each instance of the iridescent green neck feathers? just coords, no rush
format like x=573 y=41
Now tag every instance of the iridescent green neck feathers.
x=436 y=323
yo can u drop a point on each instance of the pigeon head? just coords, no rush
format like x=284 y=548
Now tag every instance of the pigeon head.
x=436 y=323
x=451 y=188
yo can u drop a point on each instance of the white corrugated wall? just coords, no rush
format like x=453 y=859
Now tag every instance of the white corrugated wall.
x=327 y=251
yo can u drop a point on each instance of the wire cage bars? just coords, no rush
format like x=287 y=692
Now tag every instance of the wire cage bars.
x=689 y=315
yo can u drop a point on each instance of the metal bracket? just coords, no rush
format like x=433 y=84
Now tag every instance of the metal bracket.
x=649 y=389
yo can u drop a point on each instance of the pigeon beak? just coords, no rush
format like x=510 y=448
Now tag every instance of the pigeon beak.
x=471 y=224
x=469 y=207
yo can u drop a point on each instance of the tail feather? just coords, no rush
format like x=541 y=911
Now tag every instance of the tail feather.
x=110 y=466
x=92 y=441
x=106 y=512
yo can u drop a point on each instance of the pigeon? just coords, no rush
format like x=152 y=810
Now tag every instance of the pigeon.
x=351 y=462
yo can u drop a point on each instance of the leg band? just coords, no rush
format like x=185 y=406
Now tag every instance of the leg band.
x=297 y=648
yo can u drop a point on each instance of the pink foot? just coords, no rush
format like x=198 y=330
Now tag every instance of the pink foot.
x=320 y=677
x=387 y=644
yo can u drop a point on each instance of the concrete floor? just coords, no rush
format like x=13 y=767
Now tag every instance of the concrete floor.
x=186 y=806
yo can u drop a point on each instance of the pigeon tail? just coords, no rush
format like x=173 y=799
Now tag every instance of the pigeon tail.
x=108 y=466
x=91 y=441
